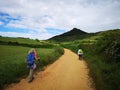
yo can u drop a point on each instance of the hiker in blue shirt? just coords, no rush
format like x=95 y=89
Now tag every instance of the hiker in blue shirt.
x=31 y=65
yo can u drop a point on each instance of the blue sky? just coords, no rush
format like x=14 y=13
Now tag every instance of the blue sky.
x=42 y=19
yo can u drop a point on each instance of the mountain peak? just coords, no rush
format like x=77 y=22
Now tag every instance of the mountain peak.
x=72 y=32
x=70 y=35
x=76 y=31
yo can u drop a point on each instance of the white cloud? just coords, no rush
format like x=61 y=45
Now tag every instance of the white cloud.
x=1 y=23
x=88 y=15
x=41 y=36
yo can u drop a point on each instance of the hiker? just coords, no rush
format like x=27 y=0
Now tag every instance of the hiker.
x=31 y=65
x=80 y=54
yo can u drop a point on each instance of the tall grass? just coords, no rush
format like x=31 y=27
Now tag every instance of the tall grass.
x=13 y=65
x=105 y=75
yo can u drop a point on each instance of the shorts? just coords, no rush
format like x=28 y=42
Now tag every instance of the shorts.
x=80 y=55
x=31 y=66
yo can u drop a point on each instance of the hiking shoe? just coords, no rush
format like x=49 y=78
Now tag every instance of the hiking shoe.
x=29 y=81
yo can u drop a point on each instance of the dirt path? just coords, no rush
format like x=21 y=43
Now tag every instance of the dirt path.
x=67 y=73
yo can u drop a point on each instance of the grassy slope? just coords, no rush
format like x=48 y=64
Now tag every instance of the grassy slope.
x=20 y=40
x=25 y=42
x=102 y=53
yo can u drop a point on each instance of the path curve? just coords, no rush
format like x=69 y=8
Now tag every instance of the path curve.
x=67 y=73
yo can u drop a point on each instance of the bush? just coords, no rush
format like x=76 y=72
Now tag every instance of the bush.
x=113 y=51
x=59 y=50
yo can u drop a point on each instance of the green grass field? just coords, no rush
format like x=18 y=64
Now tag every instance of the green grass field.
x=13 y=65
x=20 y=40
x=25 y=42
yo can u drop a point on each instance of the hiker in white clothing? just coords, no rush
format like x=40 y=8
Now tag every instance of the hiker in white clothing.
x=80 y=54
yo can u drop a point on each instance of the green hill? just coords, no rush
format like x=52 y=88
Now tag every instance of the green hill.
x=74 y=34
x=26 y=42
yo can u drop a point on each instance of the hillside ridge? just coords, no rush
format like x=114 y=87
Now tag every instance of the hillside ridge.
x=70 y=35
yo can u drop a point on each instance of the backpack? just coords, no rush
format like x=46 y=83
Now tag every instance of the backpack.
x=30 y=59
x=80 y=51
